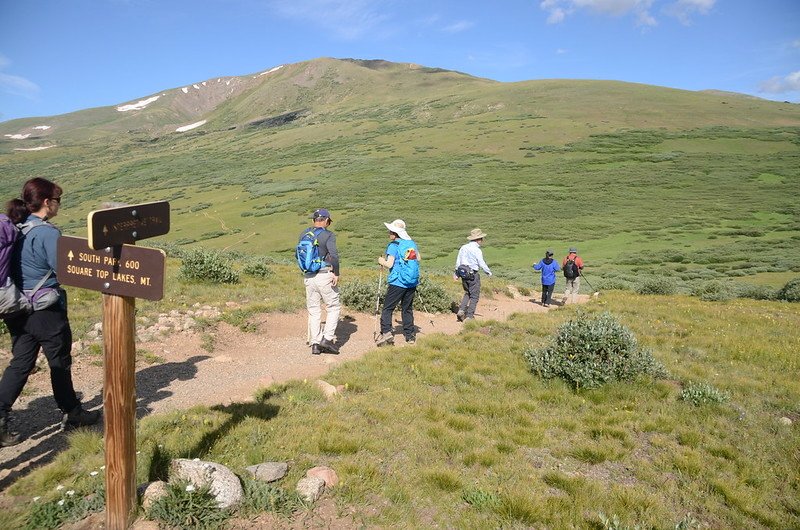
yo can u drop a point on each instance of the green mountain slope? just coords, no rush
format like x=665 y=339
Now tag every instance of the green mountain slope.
x=644 y=179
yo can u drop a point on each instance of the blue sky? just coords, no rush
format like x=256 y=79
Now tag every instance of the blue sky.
x=59 y=56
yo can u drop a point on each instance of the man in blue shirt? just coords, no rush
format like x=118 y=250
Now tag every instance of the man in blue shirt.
x=402 y=259
x=470 y=256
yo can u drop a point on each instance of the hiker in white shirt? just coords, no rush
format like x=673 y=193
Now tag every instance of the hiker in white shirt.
x=470 y=256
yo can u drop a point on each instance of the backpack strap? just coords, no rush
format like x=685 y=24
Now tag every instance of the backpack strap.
x=25 y=228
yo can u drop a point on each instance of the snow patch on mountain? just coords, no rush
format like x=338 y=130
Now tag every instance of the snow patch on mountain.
x=139 y=105
x=42 y=127
x=185 y=90
x=196 y=86
x=190 y=127
x=33 y=148
x=17 y=136
x=268 y=71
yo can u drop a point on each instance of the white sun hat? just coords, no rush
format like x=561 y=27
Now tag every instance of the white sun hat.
x=398 y=226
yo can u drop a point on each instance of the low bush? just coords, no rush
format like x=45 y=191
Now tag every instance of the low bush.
x=714 y=291
x=589 y=352
x=657 y=285
x=756 y=292
x=702 y=394
x=210 y=266
x=71 y=506
x=361 y=296
x=791 y=291
x=257 y=268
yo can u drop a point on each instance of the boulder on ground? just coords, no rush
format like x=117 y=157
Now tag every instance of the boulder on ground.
x=310 y=488
x=269 y=471
x=151 y=492
x=325 y=473
x=223 y=484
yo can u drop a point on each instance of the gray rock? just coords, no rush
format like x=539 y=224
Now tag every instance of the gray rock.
x=785 y=421
x=223 y=484
x=269 y=471
x=310 y=488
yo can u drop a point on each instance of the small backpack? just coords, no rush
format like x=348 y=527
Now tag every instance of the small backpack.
x=571 y=270
x=13 y=301
x=464 y=272
x=307 y=252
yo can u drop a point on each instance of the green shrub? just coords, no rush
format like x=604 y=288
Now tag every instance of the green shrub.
x=207 y=266
x=258 y=268
x=657 y=285
x=756 y=292
x=702 y=394
x=432 y=297
x=188 y=506
x=791 y=291
x=361 y=296
x=714 y=291
x=589 y=352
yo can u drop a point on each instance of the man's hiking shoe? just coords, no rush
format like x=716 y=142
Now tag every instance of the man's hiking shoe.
x=328 y=346
x=7 y=436
x=384 y=339
x=460 y=316
x=78 y=417
x=315 y=349
x=411 y=341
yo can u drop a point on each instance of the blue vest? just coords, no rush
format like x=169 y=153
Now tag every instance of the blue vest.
x=405 y=271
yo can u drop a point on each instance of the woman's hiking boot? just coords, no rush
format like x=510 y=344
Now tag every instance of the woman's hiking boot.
x=78 y=417
x=384 y=339
x=7 y=436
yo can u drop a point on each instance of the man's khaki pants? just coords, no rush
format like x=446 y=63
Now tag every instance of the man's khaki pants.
x=571 y=290
x=319 y=289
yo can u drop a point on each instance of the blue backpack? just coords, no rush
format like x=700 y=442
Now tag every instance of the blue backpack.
x=307 y=252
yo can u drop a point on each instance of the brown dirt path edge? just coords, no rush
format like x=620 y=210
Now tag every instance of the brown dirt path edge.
x=240 y=364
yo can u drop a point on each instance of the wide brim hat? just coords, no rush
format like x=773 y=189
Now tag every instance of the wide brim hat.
x=398 y=226
x=476 y=233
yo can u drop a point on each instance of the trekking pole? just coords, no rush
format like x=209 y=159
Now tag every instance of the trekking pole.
x=377 y=305
x=595 y=293
x=424 y=307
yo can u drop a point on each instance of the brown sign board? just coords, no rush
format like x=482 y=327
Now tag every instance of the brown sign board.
x=127 y=224
x=123 y=270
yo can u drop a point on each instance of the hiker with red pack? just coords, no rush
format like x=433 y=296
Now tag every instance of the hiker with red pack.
x=572 y=267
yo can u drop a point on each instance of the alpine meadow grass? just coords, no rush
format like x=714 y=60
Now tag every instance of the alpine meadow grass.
x=461 y=433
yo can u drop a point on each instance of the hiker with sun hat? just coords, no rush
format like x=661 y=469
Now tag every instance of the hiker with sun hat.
x=468 y=265
x=402 y=259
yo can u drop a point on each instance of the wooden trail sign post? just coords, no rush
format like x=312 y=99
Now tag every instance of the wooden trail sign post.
x=122 y=272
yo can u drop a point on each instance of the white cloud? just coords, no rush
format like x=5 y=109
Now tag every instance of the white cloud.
x=559 y=10
x=457 y=27
x=14 y=84
x=781 y=85
x=684 y=9
x=347 y=19
x=796 y=44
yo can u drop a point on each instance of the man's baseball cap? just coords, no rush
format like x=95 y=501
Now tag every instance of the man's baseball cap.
x=573 y=249
x=321 y=212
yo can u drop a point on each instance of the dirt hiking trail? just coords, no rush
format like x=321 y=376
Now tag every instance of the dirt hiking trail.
x=240 y=363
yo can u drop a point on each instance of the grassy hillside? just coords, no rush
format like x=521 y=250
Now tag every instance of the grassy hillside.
x=644 y=180
x=457 y=432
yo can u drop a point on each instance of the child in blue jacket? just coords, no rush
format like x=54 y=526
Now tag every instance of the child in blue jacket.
x=549 y=267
